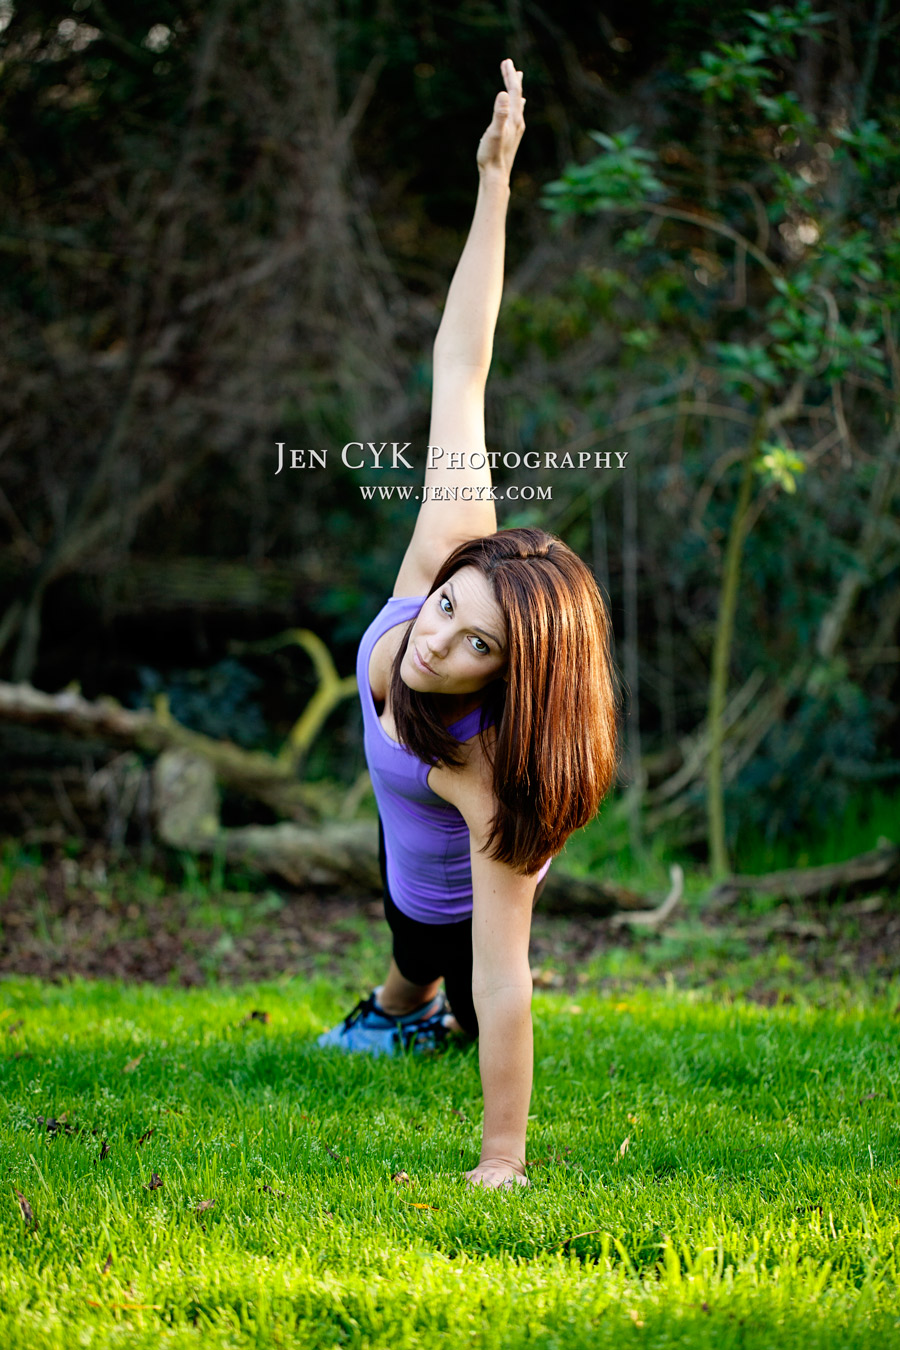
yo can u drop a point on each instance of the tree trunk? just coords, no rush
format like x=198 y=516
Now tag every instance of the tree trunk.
x=634 y=791
x=718 y=687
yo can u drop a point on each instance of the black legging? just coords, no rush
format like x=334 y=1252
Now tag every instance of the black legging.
x=425 y=952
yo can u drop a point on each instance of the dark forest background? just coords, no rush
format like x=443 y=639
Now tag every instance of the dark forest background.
x=228 y=225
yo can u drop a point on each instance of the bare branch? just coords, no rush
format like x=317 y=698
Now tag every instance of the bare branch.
x=654 y=918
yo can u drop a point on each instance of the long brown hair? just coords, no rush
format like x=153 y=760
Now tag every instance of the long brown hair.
x=554 y=758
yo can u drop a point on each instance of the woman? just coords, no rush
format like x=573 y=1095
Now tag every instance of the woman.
x=489 y=714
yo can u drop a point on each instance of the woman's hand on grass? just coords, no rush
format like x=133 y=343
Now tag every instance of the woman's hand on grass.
x=496 y=1172
x=497 y=147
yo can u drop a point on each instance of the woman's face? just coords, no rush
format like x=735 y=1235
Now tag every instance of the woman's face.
x=458 y=642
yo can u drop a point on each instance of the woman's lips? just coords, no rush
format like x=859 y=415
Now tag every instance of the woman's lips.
x=423 y=665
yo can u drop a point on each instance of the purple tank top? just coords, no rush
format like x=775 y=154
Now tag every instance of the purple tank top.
x=426 y=839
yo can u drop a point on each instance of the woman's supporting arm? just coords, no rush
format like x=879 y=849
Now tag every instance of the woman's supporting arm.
x=501 y=978
x=457 y=501
x=501 y=990
x=506 y=1061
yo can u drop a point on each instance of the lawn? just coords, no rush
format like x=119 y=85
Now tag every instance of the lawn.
x=705 y=1171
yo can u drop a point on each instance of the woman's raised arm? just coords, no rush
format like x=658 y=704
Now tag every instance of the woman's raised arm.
x=457 y=501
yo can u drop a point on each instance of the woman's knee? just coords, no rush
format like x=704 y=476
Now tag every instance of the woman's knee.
x=463 y=1008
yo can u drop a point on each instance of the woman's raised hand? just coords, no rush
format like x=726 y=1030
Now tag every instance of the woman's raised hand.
x=497 y=147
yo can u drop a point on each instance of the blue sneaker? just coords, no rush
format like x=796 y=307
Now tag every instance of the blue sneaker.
x=368 y=1029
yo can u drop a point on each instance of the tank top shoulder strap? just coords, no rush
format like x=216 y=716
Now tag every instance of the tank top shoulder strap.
x=399 y=609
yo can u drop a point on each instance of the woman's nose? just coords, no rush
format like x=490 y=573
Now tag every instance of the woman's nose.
x=434 y=645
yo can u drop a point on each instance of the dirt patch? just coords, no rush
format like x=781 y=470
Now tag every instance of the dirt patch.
x=57 y=924
x=66 y=918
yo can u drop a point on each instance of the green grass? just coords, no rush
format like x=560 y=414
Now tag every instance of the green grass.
x=603 y=847
x=869 y=816
x=756 y=1204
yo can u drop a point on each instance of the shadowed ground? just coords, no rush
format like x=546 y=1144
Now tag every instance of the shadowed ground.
x=70 y=918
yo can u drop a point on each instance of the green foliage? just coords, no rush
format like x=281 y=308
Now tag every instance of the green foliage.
x=217 y=701
x=780 y=466
x=733 y=69
x=867 y=816
x=811 y=767
x=621 y=176
x=553 y=323
x=782 y=297
x=746 y=367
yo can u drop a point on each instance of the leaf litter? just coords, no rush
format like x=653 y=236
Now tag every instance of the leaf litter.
x=25 y=1207
x=56 y=1124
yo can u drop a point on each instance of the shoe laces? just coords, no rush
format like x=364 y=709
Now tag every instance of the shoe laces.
x=365 y=1005
x=409 y=1032
x=430 y=1031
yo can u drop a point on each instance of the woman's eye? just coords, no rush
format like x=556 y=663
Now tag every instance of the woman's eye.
x=480 y=646
x=445 y=604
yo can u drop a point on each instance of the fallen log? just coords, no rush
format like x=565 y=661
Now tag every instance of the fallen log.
x=270 y=779
x=186 y=810
x=567 y=895
x=250 y=772
x=305 y=849
x=332 y=854
x=338 y=854
x=345 y=854
x=881 y=864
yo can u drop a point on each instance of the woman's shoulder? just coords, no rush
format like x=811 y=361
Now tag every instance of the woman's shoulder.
x=469 y=786
x=384 y=635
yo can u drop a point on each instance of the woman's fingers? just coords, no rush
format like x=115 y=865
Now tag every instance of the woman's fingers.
x=492 y=1176
x=513 y=81
x=497 y=147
